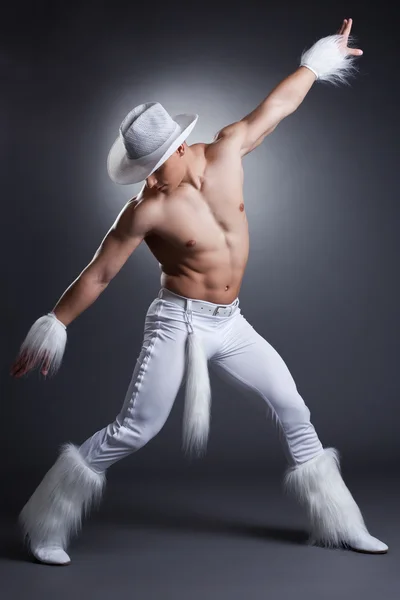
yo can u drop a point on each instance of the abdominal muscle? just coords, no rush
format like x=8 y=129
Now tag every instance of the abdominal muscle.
x=219 y=283
x=202 y=252
x=201 y=239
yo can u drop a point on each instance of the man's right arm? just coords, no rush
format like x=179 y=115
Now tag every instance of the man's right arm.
x=129 y=229
x=45 y=341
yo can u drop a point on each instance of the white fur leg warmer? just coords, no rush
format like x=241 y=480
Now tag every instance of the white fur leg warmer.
x=68 y=490
x=335 y=518
x=196 y=416
x=328 y=61
x=46 y=340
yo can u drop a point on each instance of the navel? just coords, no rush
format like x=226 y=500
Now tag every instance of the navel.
x=241 y=207
x=190 y=243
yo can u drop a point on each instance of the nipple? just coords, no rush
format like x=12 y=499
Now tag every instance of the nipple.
x=190 y=243
x=241 y=207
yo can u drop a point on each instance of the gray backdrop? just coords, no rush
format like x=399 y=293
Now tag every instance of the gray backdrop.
x=321 y=197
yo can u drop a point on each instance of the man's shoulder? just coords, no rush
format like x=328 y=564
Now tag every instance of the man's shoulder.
x=225 y=145
x=145 y=207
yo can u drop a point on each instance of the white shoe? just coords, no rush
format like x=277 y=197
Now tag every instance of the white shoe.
x=55 y=510
x=51 y=555
x=368 y=543
x=335 y=518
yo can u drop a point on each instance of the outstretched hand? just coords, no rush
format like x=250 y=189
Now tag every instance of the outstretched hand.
x=345 y=31
x=25 y=362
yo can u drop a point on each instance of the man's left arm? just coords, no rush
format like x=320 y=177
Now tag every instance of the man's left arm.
x=284 y=99
x=329 y=59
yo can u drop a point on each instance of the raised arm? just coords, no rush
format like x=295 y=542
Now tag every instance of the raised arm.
x=329 y=59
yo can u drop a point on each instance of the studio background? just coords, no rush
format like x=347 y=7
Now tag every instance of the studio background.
x=321 y=195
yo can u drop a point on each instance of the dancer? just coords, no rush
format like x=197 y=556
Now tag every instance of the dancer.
x=190 y=212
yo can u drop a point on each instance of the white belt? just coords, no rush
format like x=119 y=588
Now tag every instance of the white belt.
x=201 y=306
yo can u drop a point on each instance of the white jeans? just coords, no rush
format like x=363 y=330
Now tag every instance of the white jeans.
x=233 y=349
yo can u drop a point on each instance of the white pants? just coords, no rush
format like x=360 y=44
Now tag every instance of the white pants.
x=233 y=349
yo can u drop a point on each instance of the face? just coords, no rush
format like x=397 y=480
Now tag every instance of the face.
x=171 y=172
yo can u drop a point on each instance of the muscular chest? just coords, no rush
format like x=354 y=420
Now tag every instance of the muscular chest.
x=205 y=219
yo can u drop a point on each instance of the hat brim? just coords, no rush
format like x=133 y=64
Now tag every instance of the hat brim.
x=125 y=171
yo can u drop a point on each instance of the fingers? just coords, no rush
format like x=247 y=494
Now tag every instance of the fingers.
x=17 y=365
x=347 y=29
x=22 y=365
x=20 y=369
x=342 y=28
x=45 y=368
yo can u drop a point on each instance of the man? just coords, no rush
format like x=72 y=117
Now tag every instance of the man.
x=191 y=214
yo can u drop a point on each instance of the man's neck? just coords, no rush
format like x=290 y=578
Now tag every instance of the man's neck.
x=194 y=171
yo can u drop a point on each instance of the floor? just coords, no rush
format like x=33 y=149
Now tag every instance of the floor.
x=209 y=536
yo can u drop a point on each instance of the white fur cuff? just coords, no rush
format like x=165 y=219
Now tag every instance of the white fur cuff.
x=327 y=59
x=46 y=340
x=51 y=314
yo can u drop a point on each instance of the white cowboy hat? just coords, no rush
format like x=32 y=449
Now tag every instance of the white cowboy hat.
x=148 y=135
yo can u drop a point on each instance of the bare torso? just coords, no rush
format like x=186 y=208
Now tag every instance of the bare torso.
x=201 y=239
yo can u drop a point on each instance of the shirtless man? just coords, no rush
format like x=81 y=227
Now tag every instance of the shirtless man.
x=191 y=214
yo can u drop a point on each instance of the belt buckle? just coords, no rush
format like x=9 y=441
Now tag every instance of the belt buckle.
x=221 y=306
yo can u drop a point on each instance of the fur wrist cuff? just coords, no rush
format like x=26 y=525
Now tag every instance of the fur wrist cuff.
x=328 y=61
x=46 y=340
